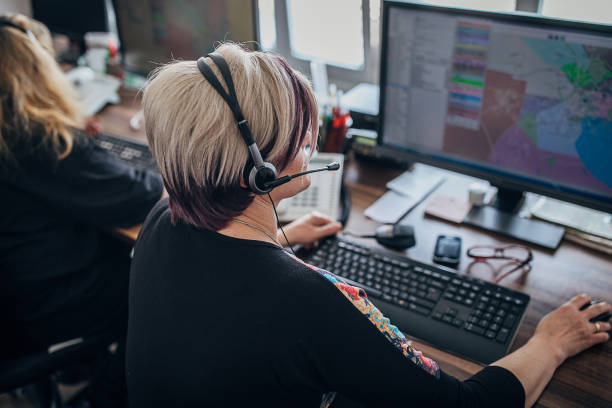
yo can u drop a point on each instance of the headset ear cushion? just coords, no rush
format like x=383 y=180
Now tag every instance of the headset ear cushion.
x=259 y=177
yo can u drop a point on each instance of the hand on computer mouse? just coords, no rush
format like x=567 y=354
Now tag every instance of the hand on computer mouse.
x=568 y=331
x=603 y=317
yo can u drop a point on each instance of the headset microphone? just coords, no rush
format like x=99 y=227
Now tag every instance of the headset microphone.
x=285 y=179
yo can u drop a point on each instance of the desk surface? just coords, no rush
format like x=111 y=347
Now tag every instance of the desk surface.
x=582 y=381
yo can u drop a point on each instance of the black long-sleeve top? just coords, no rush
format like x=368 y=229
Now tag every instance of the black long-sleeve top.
x=55 y=277
x=220 y=321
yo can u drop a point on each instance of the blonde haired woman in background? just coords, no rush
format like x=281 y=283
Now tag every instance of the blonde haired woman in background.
x=60 y=277
x=221 y=315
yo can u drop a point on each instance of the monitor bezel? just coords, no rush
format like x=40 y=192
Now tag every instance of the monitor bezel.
x=498 y=178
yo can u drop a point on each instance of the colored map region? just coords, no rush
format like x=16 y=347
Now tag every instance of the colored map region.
x=546 y=112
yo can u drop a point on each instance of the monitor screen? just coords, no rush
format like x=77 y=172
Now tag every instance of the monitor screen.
x=153 y=32
x=72 y=17
x=521 y=101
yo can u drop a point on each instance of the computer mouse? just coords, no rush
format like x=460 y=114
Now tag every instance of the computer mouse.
x=604 y=317
x=395 y=236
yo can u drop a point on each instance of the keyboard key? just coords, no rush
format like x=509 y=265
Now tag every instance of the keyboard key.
x=419 y=309
x=421 y=302
x=433 y=295
x=447 y=319
x=502 y=336
x=474 y=329
x=490 y=334
x=437 y=284
x=509 y=322
x=437 y=316
x=457 y=322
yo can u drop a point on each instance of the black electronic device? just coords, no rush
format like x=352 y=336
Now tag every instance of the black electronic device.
x=604 y=317
x=499 y=96
x=73 y=18
x=395 y=236
x=447 y=251
x=463 y=315
x=133 y=152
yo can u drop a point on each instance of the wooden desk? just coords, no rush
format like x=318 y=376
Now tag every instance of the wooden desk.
x=582 y=381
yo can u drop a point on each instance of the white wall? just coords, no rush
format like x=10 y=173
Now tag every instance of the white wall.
x=16 y=6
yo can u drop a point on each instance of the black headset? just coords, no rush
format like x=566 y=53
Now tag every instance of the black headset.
x=262 y=172
x=6 y=23
x=263 y=177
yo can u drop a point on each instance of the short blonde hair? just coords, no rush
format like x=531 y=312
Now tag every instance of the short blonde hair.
x=38 y=107
x=195 y=138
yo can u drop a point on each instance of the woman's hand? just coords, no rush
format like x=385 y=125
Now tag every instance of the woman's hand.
x=560 y=334
x=568 y=330
x=309 y=229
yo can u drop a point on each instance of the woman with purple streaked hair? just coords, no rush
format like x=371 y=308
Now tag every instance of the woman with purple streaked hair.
x=221 y=315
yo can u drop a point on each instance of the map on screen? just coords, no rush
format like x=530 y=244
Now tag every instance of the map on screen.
x=532 y=101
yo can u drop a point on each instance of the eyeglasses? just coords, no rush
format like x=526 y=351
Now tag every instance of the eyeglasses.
x=518 y=255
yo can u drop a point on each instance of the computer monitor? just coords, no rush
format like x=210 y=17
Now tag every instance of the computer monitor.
x=153 y=32
x=520 y=100
x=72 y=18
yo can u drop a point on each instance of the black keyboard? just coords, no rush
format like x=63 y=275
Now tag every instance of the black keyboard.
x=134 y=152
x=460 y=314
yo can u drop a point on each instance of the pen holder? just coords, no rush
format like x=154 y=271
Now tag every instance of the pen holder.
x=336 y=131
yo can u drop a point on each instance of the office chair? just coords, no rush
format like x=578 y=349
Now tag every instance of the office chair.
x=37 y=373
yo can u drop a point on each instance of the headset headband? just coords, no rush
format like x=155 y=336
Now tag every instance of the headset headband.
x=263 y=172
x=7 y=23
x=230 y=98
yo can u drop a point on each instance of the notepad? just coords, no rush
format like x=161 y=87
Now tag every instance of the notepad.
x=390 y=208
x=405 y=192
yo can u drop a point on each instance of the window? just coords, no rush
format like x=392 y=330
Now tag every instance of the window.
x=333 y=35
x=594 y=11
x=267 y=24
x=345 y=34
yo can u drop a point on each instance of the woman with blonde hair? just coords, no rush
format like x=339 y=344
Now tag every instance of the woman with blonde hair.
x=60 y=277
x=221 y=315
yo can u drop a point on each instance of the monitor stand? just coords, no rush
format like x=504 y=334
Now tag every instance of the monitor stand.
x=502 y=217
